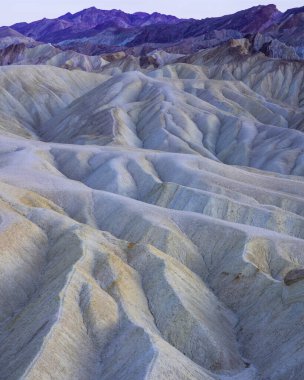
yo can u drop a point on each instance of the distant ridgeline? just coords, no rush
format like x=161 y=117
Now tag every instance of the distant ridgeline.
x=94 y=32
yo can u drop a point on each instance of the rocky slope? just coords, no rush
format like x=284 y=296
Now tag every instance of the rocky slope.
x=47 y=54
x=152 y=214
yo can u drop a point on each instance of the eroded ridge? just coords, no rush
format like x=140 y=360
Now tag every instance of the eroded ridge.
x=149 y=218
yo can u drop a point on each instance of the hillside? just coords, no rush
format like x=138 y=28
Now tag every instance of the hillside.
x=152 y=205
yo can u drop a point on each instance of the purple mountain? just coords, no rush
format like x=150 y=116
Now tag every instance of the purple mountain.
x=94 y=32
x=82 y=23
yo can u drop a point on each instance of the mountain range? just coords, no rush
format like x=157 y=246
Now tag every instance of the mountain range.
x=95 y=32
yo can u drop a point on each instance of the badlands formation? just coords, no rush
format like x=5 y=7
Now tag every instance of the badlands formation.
x=152 y=217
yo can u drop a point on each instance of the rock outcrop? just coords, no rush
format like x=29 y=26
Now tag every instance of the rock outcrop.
x=294 y=276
